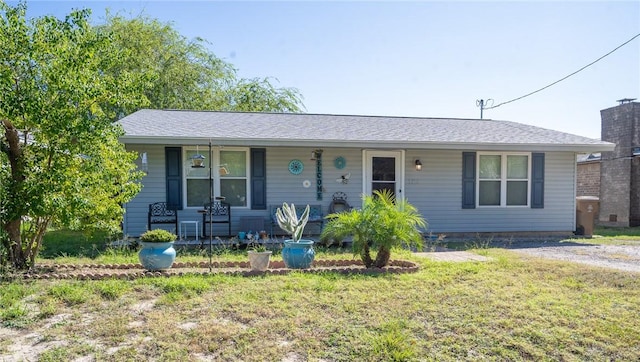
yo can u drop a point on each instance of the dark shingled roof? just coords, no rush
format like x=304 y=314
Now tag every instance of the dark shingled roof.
x=300 y=129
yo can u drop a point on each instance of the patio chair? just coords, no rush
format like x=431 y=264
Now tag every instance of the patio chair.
x=220 y=214
x=160 y=214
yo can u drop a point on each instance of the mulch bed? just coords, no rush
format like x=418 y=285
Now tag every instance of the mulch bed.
x=239 y=268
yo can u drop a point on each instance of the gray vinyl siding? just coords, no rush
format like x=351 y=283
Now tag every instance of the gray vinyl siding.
x=436 y=191
x=153 y=190
x=282 y=186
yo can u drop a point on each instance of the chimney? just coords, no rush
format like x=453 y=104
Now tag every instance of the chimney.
x=620 y=168
x=625 y=100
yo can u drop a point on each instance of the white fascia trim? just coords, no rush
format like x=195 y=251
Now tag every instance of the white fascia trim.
x=260 y=142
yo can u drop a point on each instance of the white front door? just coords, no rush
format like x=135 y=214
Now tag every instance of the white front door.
x=383 y=170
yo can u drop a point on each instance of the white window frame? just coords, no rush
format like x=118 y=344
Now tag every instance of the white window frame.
x=215 y=155
x=503 y=178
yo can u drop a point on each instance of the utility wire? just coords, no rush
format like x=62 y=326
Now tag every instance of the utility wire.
x=560 y=80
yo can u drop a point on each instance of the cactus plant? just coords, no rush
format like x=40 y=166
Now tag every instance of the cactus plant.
x=288 y=220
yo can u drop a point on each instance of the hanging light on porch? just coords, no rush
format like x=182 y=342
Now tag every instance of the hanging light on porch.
x=315 y=154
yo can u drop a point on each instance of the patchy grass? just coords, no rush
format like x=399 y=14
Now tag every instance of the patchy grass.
x=627 y=233
x=505 y=309
x=613 y=236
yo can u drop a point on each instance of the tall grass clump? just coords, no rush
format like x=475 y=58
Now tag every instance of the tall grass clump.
x=70 y=292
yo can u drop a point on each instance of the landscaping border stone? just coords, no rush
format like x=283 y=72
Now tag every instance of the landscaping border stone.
x=239 y=268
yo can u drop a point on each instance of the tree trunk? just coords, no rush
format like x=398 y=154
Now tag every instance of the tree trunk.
x=365 y=255
x=382 y=259
x=12 y=225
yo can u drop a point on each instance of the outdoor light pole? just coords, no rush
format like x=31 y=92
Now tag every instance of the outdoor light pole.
x=210 y=207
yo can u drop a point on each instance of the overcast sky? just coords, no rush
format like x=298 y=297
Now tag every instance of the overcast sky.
x=426 y=59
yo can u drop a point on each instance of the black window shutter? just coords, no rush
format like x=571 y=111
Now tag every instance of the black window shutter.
x=537 y=180
x=173 y=160
x=468 y=180
x=258 y=179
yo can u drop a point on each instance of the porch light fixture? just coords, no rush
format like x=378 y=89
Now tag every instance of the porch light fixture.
x=418 y=165
x=315 y=154
x=144 y=162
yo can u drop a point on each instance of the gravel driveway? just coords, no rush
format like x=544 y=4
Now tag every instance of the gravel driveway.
x=621 y=257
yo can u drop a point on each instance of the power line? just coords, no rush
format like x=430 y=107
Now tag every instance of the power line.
x=560 y=80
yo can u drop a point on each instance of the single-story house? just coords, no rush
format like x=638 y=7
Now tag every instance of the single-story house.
x=464 y=175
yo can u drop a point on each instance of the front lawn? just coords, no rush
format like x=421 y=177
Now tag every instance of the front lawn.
x=504 y=309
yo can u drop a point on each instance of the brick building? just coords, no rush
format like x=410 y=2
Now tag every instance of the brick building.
x=620 y=168
x=588 y=175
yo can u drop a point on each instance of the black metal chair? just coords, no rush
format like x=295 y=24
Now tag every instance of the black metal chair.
x=220 y=214
x=160 y=214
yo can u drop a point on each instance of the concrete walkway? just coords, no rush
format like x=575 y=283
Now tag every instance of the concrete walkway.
x=455 y=256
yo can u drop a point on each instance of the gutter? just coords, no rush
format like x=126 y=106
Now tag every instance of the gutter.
x=261 y=142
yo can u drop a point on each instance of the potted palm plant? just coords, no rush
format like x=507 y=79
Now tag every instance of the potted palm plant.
x=383 y=223
x=157 y=251
x=296 y=253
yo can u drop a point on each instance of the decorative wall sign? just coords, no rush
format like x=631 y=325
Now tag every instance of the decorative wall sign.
x=319 y=175
x=340 y=162
x=344 y=178
x=296 y=167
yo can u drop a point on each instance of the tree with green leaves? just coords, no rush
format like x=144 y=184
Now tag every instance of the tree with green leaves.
x=63 y=83
x=60 y=159
x=185 y=74
x=382 y=224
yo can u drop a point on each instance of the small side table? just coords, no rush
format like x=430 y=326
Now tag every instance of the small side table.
x=184 y=228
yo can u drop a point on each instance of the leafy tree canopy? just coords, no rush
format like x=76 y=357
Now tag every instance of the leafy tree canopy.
x=185 y=74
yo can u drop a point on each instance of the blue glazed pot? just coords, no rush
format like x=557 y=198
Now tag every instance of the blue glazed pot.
x=157 y=256
x=298 y=255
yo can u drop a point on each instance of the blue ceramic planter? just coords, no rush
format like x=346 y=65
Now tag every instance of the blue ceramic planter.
x=298 y=255
x=157 y=256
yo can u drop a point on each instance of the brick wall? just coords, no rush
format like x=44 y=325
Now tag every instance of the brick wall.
x=588 y=179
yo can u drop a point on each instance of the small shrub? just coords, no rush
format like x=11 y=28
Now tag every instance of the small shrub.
x=158 y=236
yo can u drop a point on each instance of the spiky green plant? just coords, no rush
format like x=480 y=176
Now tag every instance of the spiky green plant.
x=383 y=223
x=288 y=220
